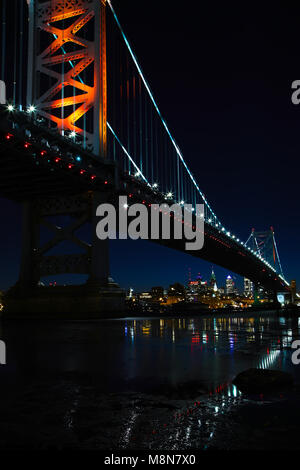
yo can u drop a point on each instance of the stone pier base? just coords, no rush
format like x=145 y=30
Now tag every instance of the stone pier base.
x=82 y=302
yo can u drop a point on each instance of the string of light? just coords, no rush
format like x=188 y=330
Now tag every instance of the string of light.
x=158 y=111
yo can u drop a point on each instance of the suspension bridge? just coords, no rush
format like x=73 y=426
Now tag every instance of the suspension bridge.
x=79 y=125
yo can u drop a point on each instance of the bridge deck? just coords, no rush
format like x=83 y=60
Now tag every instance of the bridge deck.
x=36 y=162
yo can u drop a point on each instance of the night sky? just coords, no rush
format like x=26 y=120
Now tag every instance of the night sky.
x=222 y=74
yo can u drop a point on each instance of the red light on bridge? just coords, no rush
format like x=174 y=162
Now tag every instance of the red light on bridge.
x=70 y=166
x=8 y=136
x=43 y=152
x=26 y=145
x=93 y=177
x=105 y=182
x=57 y=160
x=82 y=172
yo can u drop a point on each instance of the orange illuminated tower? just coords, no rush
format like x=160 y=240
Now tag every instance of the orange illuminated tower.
x=67 y=71
x=67 y=92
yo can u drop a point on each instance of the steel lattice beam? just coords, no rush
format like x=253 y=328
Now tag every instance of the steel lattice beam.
x=44 y=18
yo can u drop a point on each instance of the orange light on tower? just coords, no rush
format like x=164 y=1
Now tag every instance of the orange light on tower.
x=67 y=61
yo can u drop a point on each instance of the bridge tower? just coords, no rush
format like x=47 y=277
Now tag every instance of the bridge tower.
x=67 y=90
x=67 y=70
x=264 y=244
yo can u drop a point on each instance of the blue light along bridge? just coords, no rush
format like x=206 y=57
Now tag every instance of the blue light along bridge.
x=79 y=126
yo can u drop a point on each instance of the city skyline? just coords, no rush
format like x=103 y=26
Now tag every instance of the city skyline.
x=225 y=86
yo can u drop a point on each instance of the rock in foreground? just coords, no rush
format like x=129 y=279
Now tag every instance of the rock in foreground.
x=262 y=380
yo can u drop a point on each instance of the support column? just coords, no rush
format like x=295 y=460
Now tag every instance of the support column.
x=100 y=272
x=99 y=296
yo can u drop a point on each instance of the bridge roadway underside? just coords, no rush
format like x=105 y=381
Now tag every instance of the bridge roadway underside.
x=26 y=175
x=232 y=259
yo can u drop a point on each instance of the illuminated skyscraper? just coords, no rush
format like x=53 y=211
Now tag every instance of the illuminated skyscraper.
x=248 y=287
x=213 y=281
x=229 y=285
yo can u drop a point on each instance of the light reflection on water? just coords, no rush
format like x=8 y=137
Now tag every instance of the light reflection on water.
x=209 y=349
x=137 y=355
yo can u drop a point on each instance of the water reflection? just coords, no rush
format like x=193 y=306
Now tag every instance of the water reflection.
x=207 y=349
x=208 y=331
x=101 y=364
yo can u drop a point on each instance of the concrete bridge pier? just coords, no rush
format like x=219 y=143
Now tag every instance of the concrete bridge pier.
x=99 y=296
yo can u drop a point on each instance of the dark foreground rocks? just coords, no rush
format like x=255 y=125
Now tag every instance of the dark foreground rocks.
x=187 y=390
x=263 y=380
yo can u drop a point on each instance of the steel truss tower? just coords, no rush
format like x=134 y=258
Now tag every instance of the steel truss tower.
x=264 y=243
x=67 y=74
x=67 y=88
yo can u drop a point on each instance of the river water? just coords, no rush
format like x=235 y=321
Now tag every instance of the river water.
x=146 y=383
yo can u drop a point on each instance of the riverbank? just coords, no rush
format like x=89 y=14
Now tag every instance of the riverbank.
x=165 y=313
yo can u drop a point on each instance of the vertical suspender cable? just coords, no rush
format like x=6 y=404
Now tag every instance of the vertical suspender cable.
x=162 y=159
x=168 y=179
x=121 y=102
x=21 y=55
x=174 y=167
x=151 y=146
x=141 y=124
x=84 y=104
x=63 y=74
x=128 y=109
x=165 y=152
x=173 y=153
x=114 y=84
x=181 y=181
x=134 y=117
x=74 y=106
x=156 y=150
x=178 y=177
x=115 y=68
x=147 y=166
x=15 y=54
x=3 y=39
